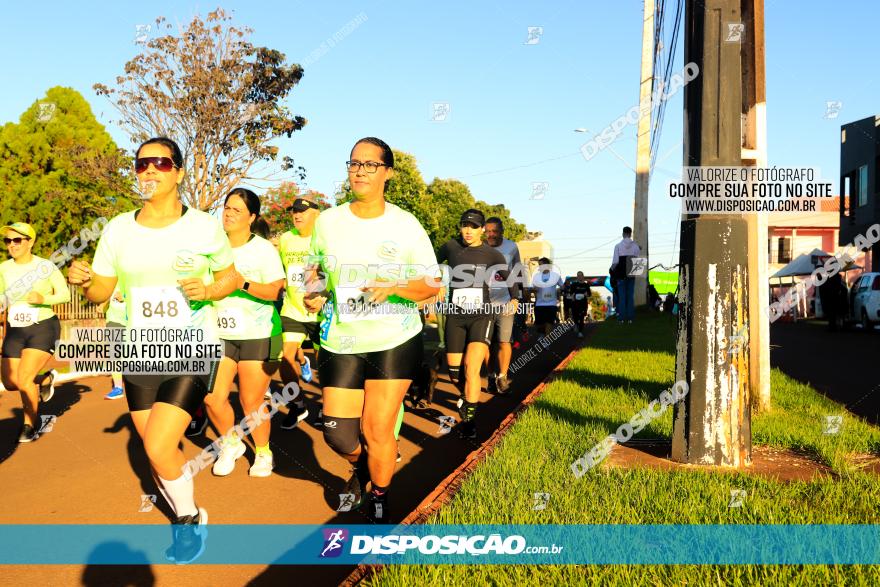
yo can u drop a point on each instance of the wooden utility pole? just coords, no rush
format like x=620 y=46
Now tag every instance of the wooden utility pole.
x=754 y=152
x=712 y=425
x=643 y=157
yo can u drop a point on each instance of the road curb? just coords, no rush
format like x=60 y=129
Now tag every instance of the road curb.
x=447 y=488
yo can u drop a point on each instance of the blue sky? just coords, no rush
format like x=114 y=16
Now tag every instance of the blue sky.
x=513 y=106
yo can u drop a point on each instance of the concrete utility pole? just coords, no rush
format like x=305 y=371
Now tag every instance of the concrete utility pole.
x=643 y=157
x=754 y=152
x=712 y=425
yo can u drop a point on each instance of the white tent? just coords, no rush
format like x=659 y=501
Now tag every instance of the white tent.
x=803 y=265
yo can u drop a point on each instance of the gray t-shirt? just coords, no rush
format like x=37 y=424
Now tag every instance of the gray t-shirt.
x=498 y=292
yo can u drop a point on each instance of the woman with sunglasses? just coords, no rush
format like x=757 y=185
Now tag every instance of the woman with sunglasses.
x=171 y=262
x=371 y=343
x=251 y=332
x=31 y=286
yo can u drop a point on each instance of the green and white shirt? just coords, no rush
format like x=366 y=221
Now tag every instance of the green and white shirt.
x=353 y=251
x=39 y=275
x=241 y=316
x=294 y=250
x=148 y=262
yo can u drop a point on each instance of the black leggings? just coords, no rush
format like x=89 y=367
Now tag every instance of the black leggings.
x=187 y=392
x=351 y=371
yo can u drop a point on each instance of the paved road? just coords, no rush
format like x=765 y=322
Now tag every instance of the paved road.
x=91 y=469
x=845 y=366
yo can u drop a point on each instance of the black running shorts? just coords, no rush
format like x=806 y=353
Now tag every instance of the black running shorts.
x=184 y=391
x=351 y=371
x=257 y=349
x=41 y=336
x=462 y=329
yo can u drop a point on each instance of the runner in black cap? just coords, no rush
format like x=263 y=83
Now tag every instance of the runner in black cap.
x=469 y=317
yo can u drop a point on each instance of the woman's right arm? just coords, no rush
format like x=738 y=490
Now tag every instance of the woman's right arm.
x=97 y=288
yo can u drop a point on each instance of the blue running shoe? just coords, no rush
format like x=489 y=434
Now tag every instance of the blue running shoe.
x=306 y=371
x=115 y=393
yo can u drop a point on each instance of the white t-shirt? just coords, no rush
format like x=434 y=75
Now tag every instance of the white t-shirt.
x=148 y=263
x=352 y=251
x=241 y=316
x=498 y=291
x=546 y=285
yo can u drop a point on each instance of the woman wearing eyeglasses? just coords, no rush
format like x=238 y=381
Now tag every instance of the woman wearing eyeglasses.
x=375 y=257
x=30 y=286
x=171 y=262
x=251 y=332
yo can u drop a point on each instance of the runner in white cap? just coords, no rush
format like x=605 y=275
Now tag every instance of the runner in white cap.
x=30 y=286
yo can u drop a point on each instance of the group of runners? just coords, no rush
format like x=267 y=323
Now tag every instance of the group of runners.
x=166 y=266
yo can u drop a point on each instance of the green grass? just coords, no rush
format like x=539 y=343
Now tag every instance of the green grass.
x=602 y=388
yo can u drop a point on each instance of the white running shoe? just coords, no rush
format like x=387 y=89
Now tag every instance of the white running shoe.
x=225 y=463
x=263 y=465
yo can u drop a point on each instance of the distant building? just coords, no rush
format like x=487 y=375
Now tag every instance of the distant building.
x=860 y=183
x=532 y=248
x=791 y=235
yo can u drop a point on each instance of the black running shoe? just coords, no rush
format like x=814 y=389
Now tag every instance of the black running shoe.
x=189 y=534
x=492 y=383
x=356 y=487
x=47 y=390
x=199 y=422
x=296 y=415
x=378 y=508
x=28 y=434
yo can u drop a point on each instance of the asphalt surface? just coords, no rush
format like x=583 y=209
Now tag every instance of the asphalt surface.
x=843 y=365
x=91 y=469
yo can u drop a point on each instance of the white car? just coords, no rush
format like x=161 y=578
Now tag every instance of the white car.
x=865 y=295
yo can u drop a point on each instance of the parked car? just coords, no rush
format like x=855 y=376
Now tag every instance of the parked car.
x=865 y=301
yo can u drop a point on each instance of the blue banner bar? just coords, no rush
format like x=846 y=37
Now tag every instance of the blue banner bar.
x=447 y=544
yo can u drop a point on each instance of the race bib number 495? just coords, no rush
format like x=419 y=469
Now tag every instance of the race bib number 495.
x=21 y=316
x=159 y=307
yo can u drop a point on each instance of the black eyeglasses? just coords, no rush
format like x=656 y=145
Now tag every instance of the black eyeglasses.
x=370 y=166
x=17 y=240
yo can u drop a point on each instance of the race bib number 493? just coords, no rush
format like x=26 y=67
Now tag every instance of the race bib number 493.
x=159 y=307
x=230 y=321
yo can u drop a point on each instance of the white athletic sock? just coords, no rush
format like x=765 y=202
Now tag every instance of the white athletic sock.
x=180 y=495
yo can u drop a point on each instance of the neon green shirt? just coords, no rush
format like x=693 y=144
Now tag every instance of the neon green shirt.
x=294 y=249
x=149 y=261
x=352 y=251
x=39 y=275
x=241 y=316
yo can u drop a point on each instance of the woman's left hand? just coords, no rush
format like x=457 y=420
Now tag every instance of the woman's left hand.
x=34 y=298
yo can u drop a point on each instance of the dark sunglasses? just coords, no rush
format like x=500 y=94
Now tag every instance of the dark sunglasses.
x=164 y=164
x=17 y=240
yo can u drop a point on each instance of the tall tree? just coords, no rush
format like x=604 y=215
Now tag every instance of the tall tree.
x=60 y=170
x=513 y=230
x=278 y=200
x=407 y=189
x=449 y=198
x=216 y=94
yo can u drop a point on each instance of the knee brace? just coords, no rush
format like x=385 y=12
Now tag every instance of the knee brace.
x=455 y=376
x=342 y=434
